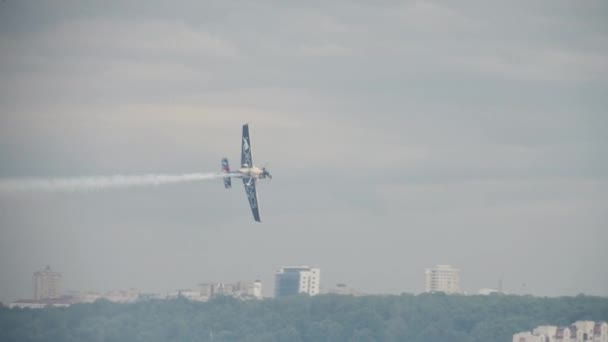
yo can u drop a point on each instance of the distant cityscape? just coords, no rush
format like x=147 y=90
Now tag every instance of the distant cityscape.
x=288 y=281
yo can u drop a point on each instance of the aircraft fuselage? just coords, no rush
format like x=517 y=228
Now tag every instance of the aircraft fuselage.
x=249 y=172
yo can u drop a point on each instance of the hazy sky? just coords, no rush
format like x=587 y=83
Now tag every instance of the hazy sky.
x=401 y=134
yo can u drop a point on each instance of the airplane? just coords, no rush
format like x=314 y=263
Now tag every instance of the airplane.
x=248 y=172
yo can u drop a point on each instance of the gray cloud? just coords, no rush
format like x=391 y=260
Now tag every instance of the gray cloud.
x=400 y=134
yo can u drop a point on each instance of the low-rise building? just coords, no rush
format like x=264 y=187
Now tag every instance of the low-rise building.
x=343 y=289
x=580 y=331
x=203 y=292
x=151 y=296
x=85 y=297
x=41 y=303
x=122 y=296
x=190 y=294
x=116 y=296
x=487 y=292
x=528 y=337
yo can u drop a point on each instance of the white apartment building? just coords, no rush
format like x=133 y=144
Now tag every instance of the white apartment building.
x=442 y=278
x=292 y=280
x=580 y=331
x=47 y=284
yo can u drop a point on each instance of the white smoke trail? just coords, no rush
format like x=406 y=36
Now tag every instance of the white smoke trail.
x=99 y=183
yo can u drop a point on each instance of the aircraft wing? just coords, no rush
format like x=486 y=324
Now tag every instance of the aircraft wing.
x=246 y=160
x=252 y=196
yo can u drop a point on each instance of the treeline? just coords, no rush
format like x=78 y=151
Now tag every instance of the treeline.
x=425 y=317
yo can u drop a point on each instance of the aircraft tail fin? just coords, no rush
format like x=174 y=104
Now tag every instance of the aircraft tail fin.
x=226 y=169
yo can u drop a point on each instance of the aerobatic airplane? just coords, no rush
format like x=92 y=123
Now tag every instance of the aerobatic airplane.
x=248 y=172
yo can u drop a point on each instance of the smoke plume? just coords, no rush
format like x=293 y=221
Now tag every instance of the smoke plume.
x=100 y=183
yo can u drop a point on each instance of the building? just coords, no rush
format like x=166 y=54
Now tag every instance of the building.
x=293 y=280
x=528 y=337
x=580 y=331
x=42 y=303
x=442 y=278
x=189 y=294
x=86 y=297
x=122 y=296
x=47 y=284
x=241 y=290
x=344 y=290
x=117 y=296
x=487 y=291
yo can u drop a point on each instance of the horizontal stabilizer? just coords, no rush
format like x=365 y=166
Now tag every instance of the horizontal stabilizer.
x=226 y=169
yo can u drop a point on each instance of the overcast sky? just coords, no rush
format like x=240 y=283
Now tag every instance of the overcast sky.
x=401 y=134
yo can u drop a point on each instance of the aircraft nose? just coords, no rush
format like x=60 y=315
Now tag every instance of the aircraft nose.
x=266 y=173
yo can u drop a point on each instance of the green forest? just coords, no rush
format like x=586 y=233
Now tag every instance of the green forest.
x=406 y=317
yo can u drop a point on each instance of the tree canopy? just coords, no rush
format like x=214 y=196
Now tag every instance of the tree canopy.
x=425 y=317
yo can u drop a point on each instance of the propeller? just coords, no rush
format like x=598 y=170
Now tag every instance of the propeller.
x=266 y=173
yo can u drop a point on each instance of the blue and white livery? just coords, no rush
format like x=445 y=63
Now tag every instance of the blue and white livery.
x=248 y=172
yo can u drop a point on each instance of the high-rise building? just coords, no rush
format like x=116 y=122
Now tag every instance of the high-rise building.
x=442 y=278
x=293 y=280
x=47 y=284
